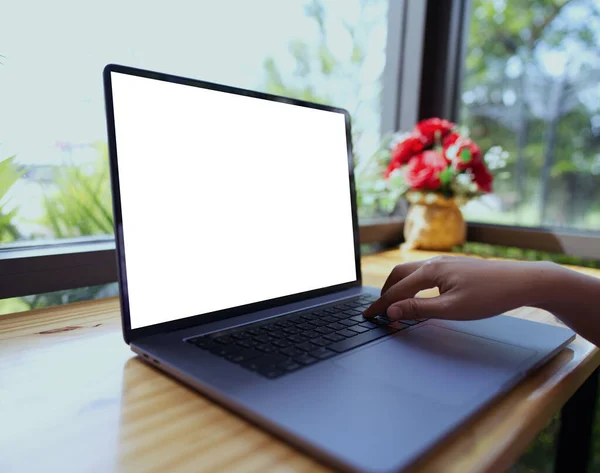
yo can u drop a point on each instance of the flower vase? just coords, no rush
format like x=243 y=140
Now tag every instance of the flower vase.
x=433 y=222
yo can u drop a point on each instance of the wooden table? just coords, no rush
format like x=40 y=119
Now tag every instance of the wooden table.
x=74 y=398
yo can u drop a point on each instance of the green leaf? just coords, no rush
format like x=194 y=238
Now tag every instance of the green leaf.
x=446 y=176
x=9 y=174
x=465 y=155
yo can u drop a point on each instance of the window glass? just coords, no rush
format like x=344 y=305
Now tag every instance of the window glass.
x=532 y=86
x=53 y=158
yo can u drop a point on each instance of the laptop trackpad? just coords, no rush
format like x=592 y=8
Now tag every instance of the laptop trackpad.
x=440 y=364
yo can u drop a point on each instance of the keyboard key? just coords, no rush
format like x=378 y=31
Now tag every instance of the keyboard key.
x=409 y=322
x=350 y=343
x=336 y=326
x=282 y=343
x=309 y=316
x=330 y=310
x=368 y=325
x=297 y=338
x=322 y=342
x=322 y=353
x=296 y=319
x=251 y=365
x=306 y=346
x=358 y=329
x=323 y=330
x=273 y=359
x=339 y=316
x=353 y=312
x=291 y=330
x=334 y=337
x=353 y=305
x=340 y=307
x=307 y=326
x=244 y=355
x=329 y=319
x=291 y=351
x=284 y=324
x=289 y=366
x=346 y=333
x=311 y=334
x=254 y=331
x=236 y=358
x=224 y=340
x=319 y=313
x=381 y=320
x=266 y=348
x=262 y=339
x=359 y=318
x=264 y=363
x=278 y=333
x=249 y=343
x=319 y=322
x=219 y=350
x=348 y=322
x=241 y=335
x=271 y=328
x=305 y=359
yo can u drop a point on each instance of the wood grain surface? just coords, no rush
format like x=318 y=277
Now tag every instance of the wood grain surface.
x=74 y=398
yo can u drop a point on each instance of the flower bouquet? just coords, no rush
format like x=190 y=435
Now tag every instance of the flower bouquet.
x=439 y=169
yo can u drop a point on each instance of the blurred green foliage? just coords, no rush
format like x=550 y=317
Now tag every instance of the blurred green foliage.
x=50 y=299
x=530 y=86
x=78 y=202
x=9 y=174
x=497 y=251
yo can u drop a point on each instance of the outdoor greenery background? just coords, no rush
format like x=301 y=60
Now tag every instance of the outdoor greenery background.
x=531 y=84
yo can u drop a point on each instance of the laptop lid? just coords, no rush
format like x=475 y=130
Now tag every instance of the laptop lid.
x=226 y=201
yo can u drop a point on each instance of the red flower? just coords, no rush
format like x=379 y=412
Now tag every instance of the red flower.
x=404 y=151
x=466 y=153
x=423 y=171
x=431 y=127
x=450 y=140
x=482 y=176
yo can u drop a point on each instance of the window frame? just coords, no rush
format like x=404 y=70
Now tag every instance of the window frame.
x=422 y=78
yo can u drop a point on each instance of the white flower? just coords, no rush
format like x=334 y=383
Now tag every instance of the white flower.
x=430 y=198
x=495 y=158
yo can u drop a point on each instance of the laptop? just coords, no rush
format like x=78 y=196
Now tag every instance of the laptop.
x=239 y=270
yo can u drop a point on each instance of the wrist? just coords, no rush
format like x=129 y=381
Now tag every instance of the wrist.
x=550 y=283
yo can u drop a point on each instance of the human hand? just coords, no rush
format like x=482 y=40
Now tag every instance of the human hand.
x=470 y=288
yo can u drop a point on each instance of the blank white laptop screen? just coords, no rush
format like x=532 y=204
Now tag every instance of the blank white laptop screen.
x=226 y=199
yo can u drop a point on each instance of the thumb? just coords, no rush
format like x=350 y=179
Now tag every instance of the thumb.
x=415 y=308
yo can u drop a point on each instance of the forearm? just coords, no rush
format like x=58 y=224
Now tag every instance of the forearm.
x=572 y=297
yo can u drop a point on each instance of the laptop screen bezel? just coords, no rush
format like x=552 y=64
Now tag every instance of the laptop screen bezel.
x=130 y=334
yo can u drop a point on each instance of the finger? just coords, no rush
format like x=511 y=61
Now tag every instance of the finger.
x=404 y=289
x=420 y=308
x=399 y=273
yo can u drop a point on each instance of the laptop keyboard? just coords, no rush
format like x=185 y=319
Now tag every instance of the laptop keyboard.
x=291 y=342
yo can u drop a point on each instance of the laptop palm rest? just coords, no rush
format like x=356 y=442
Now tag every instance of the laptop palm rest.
x=439 y=364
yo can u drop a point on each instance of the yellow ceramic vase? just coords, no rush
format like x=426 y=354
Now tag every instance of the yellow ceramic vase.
x=433 y=222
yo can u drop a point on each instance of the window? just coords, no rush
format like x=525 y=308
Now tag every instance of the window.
x=55 y=202
x=52 y=115
x=531 y=85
